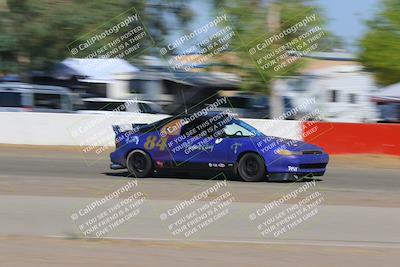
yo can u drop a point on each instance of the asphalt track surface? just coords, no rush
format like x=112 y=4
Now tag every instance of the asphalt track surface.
x=41 y=188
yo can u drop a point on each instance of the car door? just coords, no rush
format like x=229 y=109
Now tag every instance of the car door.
x=237 y=139
x=199 y=147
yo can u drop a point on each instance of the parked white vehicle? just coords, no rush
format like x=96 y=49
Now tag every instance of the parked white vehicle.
x=340 y=94
x=22 y=97
x=107 y=105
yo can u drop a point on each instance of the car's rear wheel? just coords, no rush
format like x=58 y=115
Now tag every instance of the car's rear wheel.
x=139 y=164
x=251 y=168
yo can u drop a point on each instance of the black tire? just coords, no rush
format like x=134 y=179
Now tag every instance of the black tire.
x=251 y=168
x=139 y=164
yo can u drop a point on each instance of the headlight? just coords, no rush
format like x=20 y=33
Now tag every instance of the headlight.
x=285 y=152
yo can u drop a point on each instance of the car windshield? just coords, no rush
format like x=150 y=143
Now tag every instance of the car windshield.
x=105 y=106
x=238 y=128
x=156 y=108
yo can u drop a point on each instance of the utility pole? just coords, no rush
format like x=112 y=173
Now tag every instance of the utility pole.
x=273 y=17
x=273 y=25
x=3 y=6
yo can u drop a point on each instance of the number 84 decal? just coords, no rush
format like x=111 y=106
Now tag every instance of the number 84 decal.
x=152 y=142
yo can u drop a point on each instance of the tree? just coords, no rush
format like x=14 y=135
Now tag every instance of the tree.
x=257 y=20
x=380 y=47
x=35 y=33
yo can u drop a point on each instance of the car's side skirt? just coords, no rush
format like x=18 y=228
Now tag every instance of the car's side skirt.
x=212 y=166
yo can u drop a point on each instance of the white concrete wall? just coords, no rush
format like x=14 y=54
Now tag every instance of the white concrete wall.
x=64 y=129
x=96 y=129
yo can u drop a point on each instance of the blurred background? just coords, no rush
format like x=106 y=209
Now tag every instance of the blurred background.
x=352 y=74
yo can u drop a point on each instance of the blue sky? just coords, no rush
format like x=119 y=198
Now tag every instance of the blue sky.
x=345 y=17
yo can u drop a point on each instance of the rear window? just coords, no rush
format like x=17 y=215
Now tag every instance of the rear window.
x=156 y=108
x=10 y=99
x=49 y=101
x=105 y=106
x=144 y=108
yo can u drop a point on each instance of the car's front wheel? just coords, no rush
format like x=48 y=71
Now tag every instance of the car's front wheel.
x=251 y=168
x=139 y=164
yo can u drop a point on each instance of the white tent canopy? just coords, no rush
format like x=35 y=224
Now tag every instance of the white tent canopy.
x=99 y=68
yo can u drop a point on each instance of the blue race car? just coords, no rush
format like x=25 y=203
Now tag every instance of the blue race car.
x=213 y=142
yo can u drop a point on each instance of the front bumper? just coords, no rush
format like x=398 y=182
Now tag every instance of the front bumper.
x=299 y=164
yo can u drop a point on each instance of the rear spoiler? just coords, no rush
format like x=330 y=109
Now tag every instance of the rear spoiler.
x=127 y=127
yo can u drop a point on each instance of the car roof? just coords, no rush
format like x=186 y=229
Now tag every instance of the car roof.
x=189 y=115
x=104 y=99
x=27 y=87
